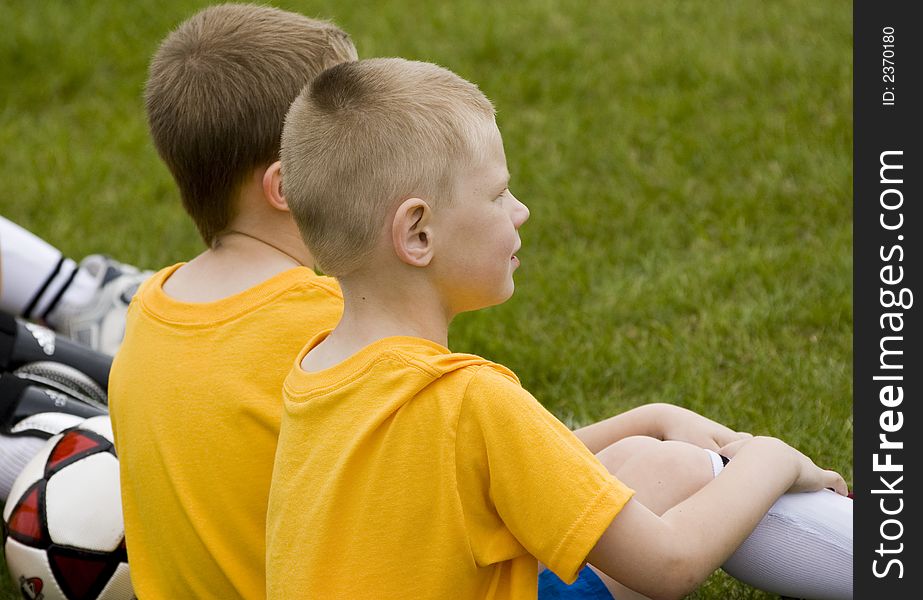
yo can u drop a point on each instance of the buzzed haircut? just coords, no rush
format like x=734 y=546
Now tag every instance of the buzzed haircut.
x=217 y=93
x=366 y=135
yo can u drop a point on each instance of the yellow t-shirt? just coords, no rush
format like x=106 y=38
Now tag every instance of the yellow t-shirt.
x=195 y=400
x=407 y=471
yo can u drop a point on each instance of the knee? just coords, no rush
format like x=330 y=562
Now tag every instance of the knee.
x=615 y=455
x=666 y=474
x=685 y=464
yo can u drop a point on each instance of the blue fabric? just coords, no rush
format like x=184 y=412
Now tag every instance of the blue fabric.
x=587 y=587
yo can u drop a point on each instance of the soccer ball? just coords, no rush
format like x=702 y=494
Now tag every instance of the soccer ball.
x=65 y=538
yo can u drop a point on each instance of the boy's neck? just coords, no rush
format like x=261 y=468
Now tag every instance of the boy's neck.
x=258 y=220
x=368 y=318
x=236 y=263
x=235 y=240
x=259 y=244
x=379 y=310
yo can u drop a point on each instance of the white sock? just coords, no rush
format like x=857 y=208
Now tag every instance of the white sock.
x=802 y=548
x=15 y=452
x=35 y=277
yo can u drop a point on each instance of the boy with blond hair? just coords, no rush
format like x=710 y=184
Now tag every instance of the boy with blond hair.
x=194 y=389
x=195 y=434
x=404 y=470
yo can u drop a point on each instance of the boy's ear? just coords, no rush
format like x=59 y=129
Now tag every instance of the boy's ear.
x=272 y=187
x=412 y=232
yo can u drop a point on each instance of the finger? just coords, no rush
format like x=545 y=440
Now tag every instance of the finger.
x=729 y=450
x=733 y=436
x=837 y=483
x=710 y=444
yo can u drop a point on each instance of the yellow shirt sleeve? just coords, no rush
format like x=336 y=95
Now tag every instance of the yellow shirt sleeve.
x=527 y=484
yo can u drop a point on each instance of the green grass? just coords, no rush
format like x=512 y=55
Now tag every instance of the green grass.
x=687 y=165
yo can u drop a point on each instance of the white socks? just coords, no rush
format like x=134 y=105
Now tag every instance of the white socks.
x=15 y=452
x=802 y=548
x=35 y=277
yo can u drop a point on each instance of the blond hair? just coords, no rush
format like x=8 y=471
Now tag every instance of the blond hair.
x=365 y=135
x=217 y=93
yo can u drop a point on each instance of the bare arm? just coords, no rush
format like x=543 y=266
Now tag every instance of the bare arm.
x=637 y=421
x=658 y=420
x=668 y=556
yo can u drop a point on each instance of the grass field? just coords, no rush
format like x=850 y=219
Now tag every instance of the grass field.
x=687 y=165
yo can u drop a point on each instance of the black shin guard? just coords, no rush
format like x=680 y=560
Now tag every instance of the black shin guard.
x=21 y=399
x=22 y=342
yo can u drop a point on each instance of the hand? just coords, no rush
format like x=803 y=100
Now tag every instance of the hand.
x=685 y=425
x=809 y=477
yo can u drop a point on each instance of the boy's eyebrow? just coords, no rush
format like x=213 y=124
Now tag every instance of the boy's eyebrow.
x=506 y=182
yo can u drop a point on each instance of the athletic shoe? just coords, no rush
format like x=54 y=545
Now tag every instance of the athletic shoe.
x=100 y=323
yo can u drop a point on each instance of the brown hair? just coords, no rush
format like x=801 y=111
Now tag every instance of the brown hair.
x=364 y=135
x=217 y=93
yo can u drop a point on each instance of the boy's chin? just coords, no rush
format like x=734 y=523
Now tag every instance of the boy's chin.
x=501 y=297
x=493 y=300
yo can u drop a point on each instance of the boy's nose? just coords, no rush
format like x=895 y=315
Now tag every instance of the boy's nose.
x=520 y=213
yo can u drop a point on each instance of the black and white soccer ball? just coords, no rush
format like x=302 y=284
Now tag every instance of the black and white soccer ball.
x=62 y=523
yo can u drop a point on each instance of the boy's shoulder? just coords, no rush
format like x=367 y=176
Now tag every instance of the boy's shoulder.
x=477 y=380
x=406 y=370
x=443 y=363
x=156 y=280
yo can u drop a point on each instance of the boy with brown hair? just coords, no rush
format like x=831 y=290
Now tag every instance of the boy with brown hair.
x=195 y=436
x=406 y=470
x=196 y=433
